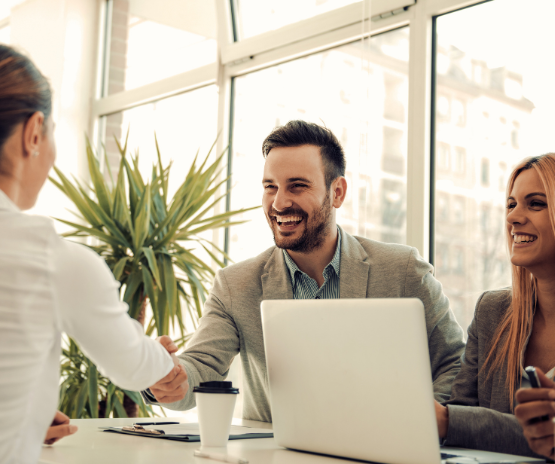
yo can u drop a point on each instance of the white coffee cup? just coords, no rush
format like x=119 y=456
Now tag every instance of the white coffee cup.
x=215 y=402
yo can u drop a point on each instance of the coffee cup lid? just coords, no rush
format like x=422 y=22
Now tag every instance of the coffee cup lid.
x=215 y=386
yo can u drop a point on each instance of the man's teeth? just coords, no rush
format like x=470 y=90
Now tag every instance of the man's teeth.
x=523 y=238
x=284 y=219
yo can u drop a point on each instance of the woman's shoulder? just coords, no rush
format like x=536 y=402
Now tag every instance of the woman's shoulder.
x=27 y=234
x=492 y=306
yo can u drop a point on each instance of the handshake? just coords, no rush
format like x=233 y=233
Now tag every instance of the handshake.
x=174 y=386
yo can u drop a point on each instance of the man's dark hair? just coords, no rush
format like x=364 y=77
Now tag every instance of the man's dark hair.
x=297 y=133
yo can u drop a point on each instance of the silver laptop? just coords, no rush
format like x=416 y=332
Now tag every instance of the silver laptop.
x=352 y=378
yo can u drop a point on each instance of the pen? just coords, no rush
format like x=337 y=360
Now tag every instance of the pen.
x=154 y=423
x=220 y=457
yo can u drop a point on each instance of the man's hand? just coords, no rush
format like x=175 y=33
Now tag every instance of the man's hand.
x=174 y=386
x=534 y=403
x=442 y=416
x=59 y=429
x=167 y=343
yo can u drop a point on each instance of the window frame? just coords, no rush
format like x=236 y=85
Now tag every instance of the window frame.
x=324 y=31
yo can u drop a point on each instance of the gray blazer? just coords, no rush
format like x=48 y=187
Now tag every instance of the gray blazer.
x=489 y=424
x=231 y=322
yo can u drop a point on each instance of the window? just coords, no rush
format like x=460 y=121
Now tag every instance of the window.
x=172 y=123
x=514 y=135
x=360 y=90
x=484 y=172
x=506 y=105
x=6 y=7
x=459 y=165
x=394 y=107
x=502 y=176
x=393 y=160
x=458 y=209
x=256 y=17
x=364 y=204
x=349 y=201
x=442 y=257
x=485 y=217
x=478 y=72
x=443 y=156
x=459 y=112
x=458 y=261
x=151 y=41
x=442 y=207
x=327 y=88
x=5 y=34
x=443 y=108
x=393 y=204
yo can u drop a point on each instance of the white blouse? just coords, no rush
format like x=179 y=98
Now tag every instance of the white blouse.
x=524 y=379
x=49 y=285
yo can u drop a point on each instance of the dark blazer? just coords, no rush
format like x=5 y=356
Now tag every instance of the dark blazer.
x=489 y=424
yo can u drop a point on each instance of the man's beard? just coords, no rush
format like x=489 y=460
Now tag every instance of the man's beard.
x=315 y=231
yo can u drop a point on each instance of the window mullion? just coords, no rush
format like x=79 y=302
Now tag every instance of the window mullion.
x=419 y=126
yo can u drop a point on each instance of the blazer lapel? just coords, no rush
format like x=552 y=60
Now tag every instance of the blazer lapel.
x=353 y=275
x=276 y=283
x=354 y=270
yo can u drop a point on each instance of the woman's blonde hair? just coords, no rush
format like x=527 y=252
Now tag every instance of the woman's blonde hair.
x=510 y=338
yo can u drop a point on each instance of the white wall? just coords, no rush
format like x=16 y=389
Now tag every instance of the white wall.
x=61 y=37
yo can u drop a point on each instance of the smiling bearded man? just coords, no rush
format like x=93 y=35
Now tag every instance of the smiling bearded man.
x=304 y=184
x=314 y=233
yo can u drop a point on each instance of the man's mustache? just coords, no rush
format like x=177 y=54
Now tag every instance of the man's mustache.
x=287 y=212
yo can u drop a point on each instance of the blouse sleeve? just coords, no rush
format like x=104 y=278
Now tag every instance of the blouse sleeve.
x=90 y=311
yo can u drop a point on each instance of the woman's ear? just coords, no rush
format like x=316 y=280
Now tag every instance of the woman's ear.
x=338 y=191
x=33 y=131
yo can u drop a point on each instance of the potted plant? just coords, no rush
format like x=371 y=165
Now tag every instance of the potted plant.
x=142 y=234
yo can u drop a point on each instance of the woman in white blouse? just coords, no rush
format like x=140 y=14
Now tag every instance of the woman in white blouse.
x=49 y=285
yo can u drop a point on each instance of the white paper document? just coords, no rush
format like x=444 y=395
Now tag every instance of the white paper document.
x=193 y=429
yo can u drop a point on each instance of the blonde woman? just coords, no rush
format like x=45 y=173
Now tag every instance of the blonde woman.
x=512 y=328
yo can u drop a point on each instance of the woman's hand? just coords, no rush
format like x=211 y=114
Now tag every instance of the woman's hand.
x=442 y=416
x=534 y=403
x=59 y=429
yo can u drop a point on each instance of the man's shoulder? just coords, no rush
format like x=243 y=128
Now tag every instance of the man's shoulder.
x=381 y=250
x=251 y=266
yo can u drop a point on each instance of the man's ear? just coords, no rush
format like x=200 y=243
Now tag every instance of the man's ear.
x=32 y=134
x=338 y=191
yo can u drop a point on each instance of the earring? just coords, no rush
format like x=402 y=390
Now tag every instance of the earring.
x=35 y=154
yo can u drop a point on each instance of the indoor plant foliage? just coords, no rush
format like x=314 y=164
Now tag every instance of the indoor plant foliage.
x=142 y=235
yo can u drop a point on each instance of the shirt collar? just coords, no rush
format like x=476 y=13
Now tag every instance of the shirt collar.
x=335 y=262
x=7 y=204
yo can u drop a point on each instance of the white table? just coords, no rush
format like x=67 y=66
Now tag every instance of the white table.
x=90 y=445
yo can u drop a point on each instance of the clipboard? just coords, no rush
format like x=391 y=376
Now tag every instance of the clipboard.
x=187 y=432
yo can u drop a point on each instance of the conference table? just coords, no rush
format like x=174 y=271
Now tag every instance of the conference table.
x=91 y=445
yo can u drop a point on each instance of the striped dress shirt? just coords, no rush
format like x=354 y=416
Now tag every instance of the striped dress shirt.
x=305 y=287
